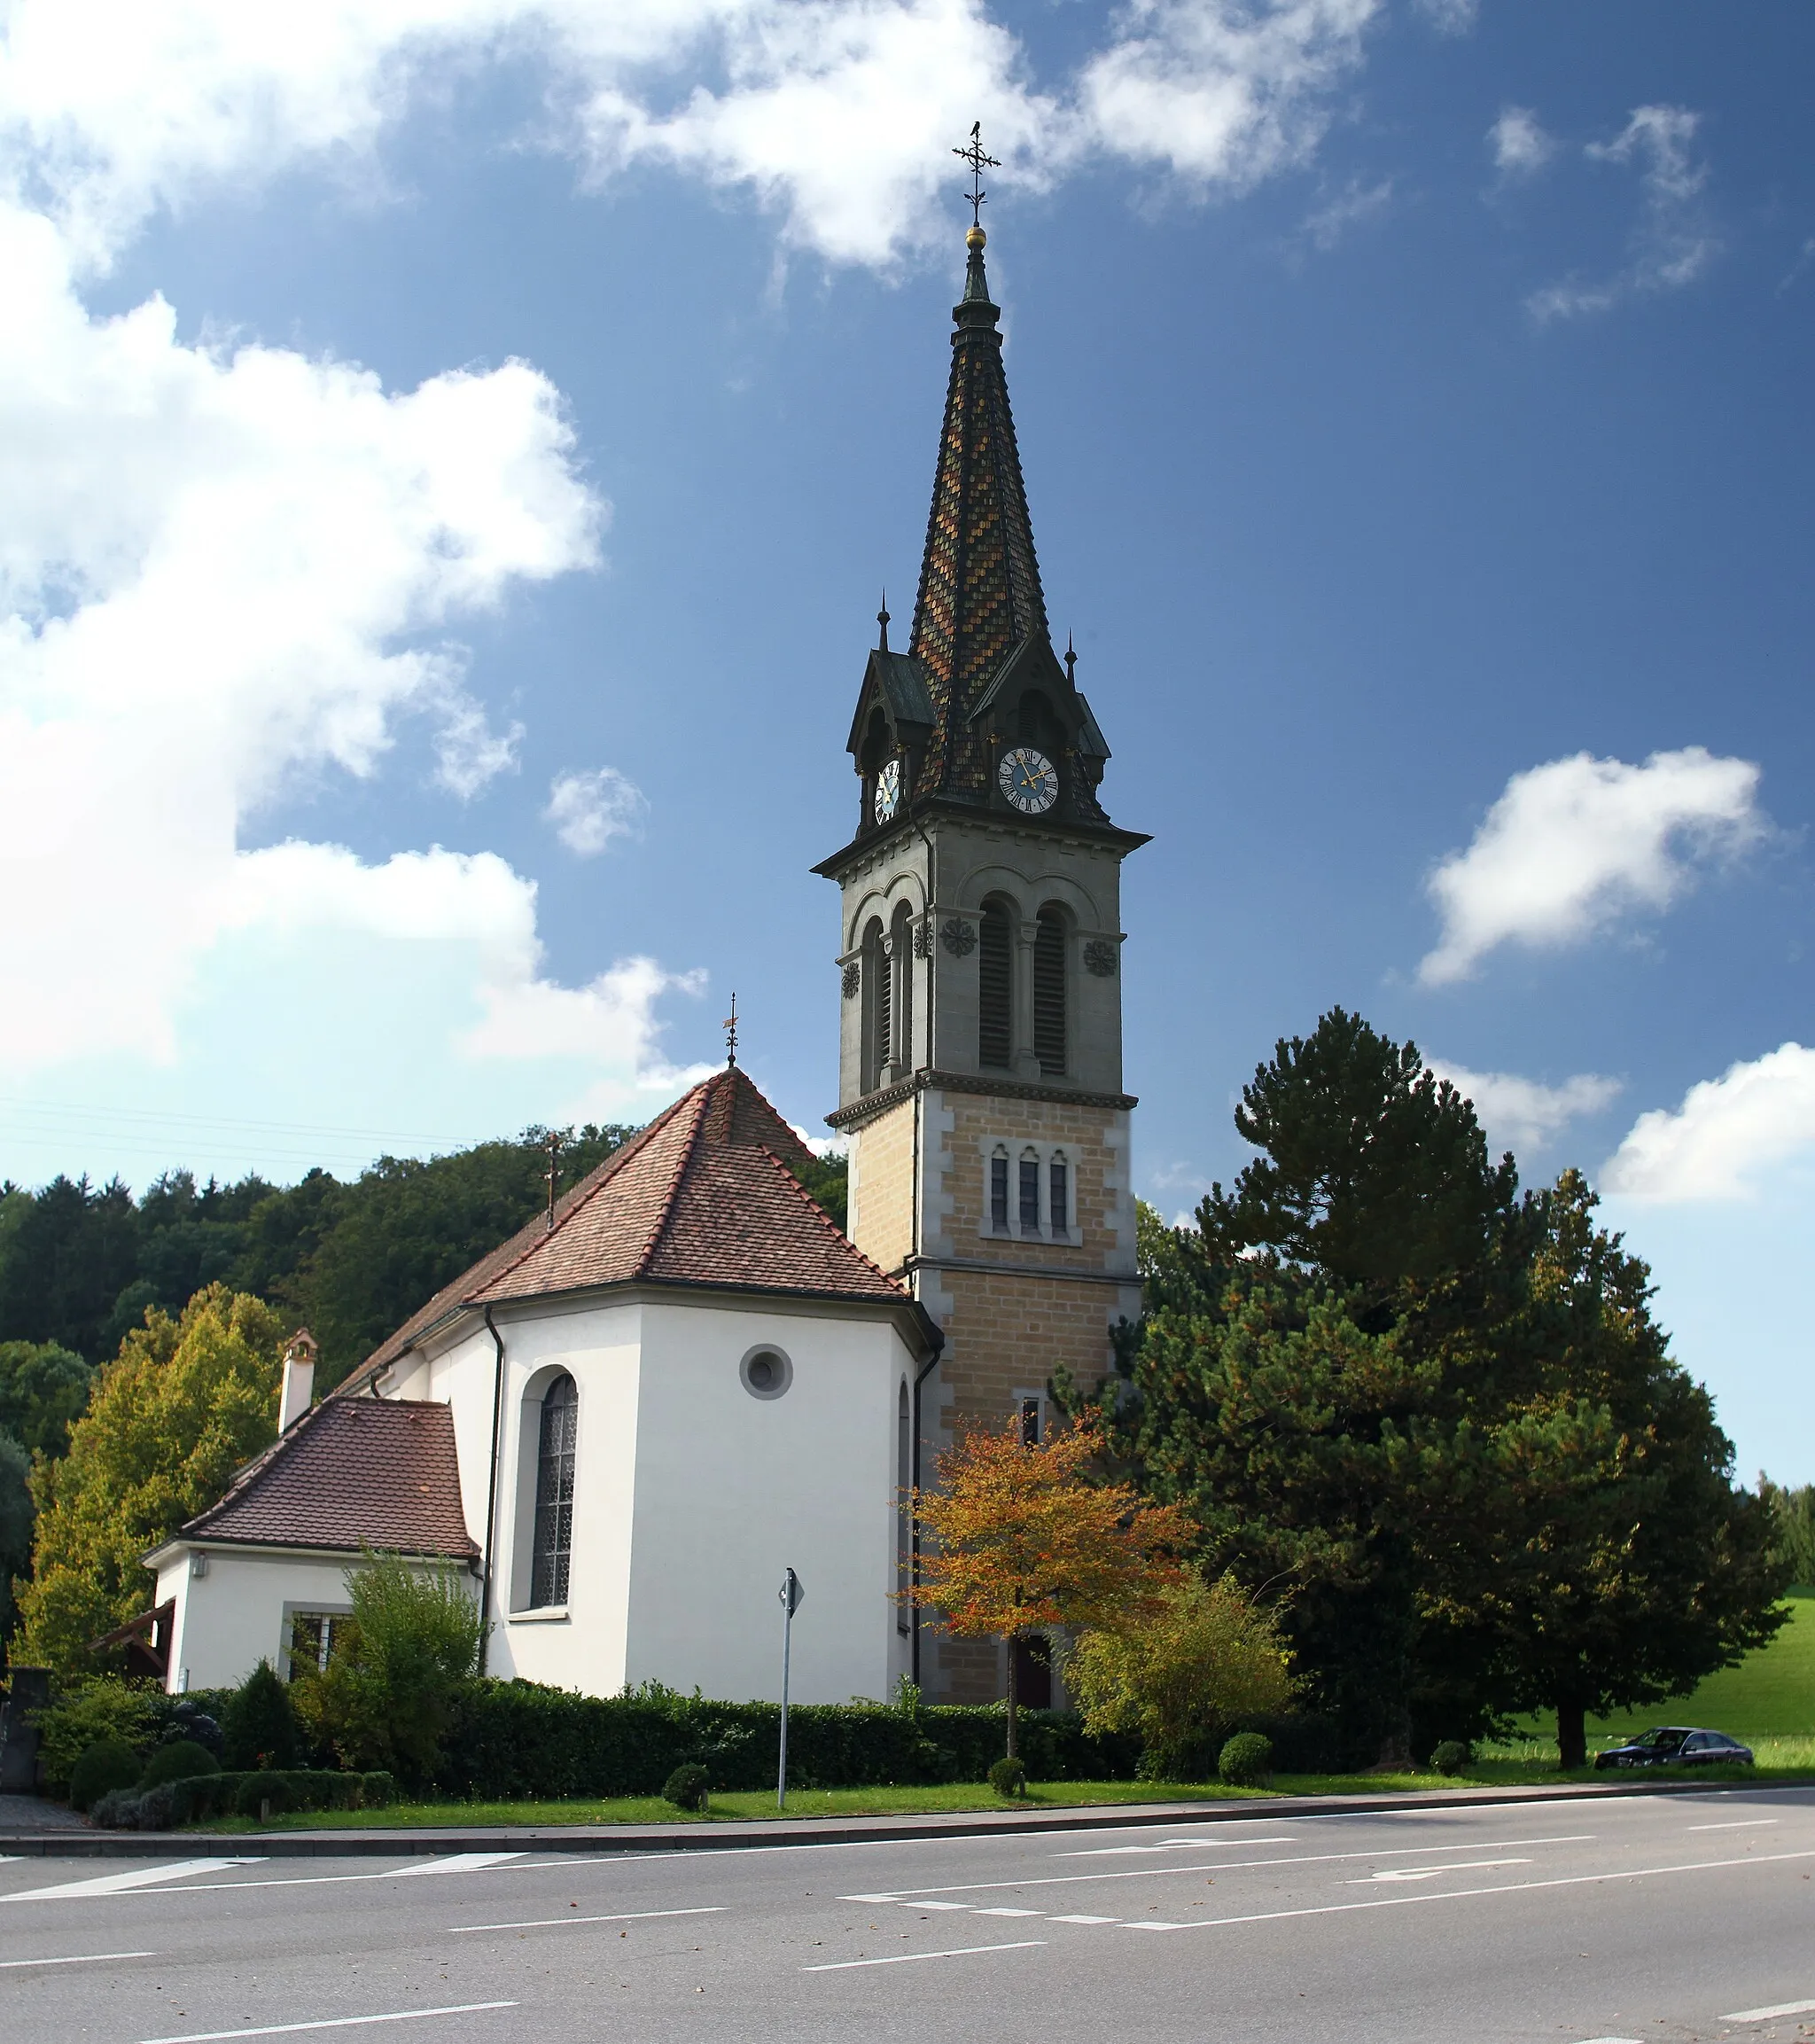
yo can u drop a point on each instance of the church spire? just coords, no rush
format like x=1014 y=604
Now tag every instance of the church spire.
x=979 y=596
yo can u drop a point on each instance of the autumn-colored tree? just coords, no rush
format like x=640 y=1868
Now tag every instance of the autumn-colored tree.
x=1022 y=1540
x=181 y=1407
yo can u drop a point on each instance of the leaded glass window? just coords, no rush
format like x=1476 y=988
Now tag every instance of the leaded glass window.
x=553 y=1494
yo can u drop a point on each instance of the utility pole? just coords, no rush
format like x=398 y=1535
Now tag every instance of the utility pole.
x=792 y=1596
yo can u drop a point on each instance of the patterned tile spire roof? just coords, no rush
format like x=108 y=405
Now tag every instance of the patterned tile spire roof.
x=979 y=593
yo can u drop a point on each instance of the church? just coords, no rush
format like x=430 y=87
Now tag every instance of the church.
x=625 y=1424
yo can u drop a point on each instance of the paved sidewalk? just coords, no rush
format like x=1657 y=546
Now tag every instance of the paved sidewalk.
x=63 y=1835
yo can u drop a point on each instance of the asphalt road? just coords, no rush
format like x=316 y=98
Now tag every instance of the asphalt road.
x=1687 y=1917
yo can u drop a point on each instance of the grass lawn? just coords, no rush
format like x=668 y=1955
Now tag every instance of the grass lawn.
x=1768 y=1701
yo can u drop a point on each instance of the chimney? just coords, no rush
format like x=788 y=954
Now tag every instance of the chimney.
x=299 y=1378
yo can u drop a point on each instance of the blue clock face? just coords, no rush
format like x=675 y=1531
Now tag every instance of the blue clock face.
x=888 y=790
x=1029 y=779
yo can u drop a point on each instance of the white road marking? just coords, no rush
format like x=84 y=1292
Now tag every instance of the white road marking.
x=1738 y=1824
x=624 y=1916
x=123 y=1884
x=1768 y=2015
x=332 y=2023
x=1206 y=1867
x=76 y=1959
x=1169 y=1845
x=1004 y=1912
x=1087 y=1919
x=1506 y=1888
x=458 y=1863
x=1613 y=2040
x=1431 y=1873
x=837 y=1966
x=923 y=1904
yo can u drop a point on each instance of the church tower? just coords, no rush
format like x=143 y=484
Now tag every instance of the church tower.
x=980 y=1058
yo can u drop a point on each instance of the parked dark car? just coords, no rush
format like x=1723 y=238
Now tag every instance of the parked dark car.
x=1676 y=1746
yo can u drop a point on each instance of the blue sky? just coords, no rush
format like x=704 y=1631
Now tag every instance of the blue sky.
x=451 y=450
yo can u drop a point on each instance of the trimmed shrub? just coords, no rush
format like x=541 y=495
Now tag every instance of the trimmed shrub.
x=189 y=1722
x=1451 y=1756
x=1246 y=1762
x=1008 y=1778
x=514 y=1739
x=1308 y=1742
x=261 y=1726
x=116 y=1811
x=178 y=1761
x=378 y=1791
x=107 y=1765
x=688 y=1787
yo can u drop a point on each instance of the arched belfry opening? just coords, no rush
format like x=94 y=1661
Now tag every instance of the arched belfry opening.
x=1051 y=945
x=995 y=987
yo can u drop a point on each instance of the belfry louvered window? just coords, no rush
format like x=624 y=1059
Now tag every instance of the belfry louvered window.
x=995 y=951
x=1050 y=993
x=877 y=1007
x=554 y=1494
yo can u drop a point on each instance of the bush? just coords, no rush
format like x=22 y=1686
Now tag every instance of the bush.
x=1246 y=1762
x=1451 y=1756
x=177 y=1761
x=106 y=1707
x=1008 y=1778
x=108 y=1764
x=688 y=1787
x=261 y=1728
x=377 y=1791
x=189 y=1722
x=509 y=1739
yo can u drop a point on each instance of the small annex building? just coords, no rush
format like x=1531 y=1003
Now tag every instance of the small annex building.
x=623 y=1426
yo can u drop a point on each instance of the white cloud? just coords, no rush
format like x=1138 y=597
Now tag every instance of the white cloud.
x=469 y=754
x=1520 y=146
x=1221 y=91
x=1725 y=1135
x=588 y=810
x=1572 y=845
x=837 y=114
x=1450 y=16
x=1353 y=206
x=217 y=569
x=1523 y=1113
x=1673 y=242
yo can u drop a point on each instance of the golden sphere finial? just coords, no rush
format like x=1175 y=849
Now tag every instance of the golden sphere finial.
x=975 y=238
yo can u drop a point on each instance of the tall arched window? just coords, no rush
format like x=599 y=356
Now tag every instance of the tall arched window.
x=877 y=1005
x=901 y=1016
x=995 y=984
x=554 y=1494
x=1050 y=993
x=904 y=1526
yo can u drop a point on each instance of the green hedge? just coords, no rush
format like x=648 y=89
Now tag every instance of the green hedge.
x=241 y=1792
x=519 y=1739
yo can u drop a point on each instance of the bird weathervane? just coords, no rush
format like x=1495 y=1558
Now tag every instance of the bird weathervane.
x=979 y=162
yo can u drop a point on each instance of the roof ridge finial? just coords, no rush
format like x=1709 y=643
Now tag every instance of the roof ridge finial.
x=553 y=1174
x=882 y=619
x=731 y=1036
x=1070 y=659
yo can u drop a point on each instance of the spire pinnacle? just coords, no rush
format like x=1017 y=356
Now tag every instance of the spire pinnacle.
x=1071 y=662
x=731 y=1034
x=975 y=157
x=882 y=619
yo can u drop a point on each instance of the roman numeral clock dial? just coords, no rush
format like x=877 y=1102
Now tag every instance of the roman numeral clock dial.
x=888 y=790
x=1029 y=779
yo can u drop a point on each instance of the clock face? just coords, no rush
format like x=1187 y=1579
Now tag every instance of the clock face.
x=1029 y=779
x=888 y=790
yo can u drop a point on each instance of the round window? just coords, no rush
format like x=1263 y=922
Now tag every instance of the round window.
x=766 y=1372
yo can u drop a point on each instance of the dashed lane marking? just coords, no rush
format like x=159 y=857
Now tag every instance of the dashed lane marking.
x=1205 y=1866
x=623 y=1916
x=124 y=1884
x=330 y=2023
x=75 y=1959
x=846 y=1965
x=458 y=1863
x=1738 y=1824
x=1768 y=2015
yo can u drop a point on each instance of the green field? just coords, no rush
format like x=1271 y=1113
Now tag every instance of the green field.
x=1770 y=1697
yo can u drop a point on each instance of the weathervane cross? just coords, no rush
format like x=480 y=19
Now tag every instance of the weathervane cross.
x=731 y=1033
x=975 y=157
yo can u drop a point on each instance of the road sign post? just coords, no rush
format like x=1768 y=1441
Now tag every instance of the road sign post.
x=792 y=1596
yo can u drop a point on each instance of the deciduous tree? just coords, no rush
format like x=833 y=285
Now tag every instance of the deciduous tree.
x=1022 y=1541
x=185 y=1403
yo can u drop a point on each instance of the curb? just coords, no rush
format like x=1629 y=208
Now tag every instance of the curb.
x=750 y=1835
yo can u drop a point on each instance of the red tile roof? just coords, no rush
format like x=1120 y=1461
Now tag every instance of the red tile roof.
x=702 y=1197
x=355 y=1472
